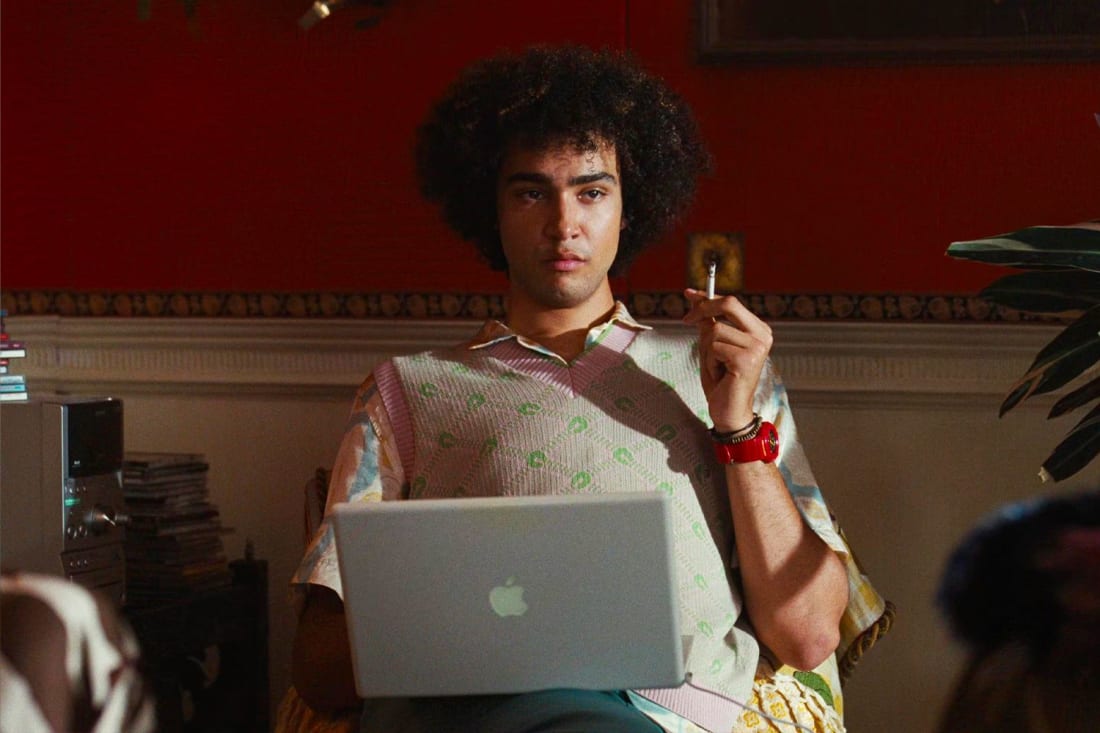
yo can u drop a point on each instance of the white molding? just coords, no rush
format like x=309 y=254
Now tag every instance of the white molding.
x=880 y=364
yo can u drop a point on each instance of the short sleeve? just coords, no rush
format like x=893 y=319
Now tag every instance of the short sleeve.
x=865 y=605
x=367 y=468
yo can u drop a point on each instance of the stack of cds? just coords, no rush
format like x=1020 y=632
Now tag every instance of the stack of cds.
x=173 y=544
x=13 y=386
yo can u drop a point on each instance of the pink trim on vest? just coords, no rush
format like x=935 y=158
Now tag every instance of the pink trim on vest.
x=711 y=710
x=393 y=397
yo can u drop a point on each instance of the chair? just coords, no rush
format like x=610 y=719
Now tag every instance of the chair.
x=294 y=714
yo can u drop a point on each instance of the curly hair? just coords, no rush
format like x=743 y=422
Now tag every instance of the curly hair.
x=1023 y=591
x=551 y=96
x=999 y=584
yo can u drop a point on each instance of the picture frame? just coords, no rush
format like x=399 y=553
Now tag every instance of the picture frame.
x=897 y=31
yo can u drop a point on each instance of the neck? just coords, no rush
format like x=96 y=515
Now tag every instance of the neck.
x=562 y=330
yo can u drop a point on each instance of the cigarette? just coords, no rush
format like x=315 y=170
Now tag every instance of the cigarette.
x=712 y=273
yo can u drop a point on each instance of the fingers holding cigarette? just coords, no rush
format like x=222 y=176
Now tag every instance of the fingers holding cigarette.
x=726 y=309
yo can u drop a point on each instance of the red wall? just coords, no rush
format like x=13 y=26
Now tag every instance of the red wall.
x=239 y=153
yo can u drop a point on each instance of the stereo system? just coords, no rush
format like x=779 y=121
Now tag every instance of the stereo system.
x=62 y=509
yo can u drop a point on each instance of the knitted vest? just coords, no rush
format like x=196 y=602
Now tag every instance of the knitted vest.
x=636 y=423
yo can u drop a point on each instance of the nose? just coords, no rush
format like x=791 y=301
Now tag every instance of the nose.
x=564 y=219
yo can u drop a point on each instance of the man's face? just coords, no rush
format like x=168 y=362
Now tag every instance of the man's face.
x=560 y=214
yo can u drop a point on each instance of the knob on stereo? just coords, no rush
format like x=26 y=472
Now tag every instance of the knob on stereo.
x=100 y=519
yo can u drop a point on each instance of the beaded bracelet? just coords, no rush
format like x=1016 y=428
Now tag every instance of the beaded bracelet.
x=748 y=432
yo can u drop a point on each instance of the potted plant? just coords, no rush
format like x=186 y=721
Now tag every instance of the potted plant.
x=1059 y=278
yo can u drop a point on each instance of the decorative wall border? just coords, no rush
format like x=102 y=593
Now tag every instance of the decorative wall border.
x=934 y=308
x=879 y=365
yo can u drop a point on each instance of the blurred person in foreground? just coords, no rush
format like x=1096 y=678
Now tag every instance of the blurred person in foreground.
x=68 y=662
x=1022 y=591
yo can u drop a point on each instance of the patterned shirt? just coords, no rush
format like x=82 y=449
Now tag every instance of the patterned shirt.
x=376 y=452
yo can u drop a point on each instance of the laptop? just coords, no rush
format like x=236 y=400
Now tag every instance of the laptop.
x=510 y=594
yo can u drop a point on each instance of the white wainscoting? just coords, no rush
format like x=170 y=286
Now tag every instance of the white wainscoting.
x=899 y=419
x=299 y=357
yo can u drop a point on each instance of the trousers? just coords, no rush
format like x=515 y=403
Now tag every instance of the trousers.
x=547 y=711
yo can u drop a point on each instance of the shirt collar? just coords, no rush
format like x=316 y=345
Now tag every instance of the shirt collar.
x=494 y=331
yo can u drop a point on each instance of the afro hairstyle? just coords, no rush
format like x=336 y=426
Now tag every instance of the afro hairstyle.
x=996 y=587
x=560 y=96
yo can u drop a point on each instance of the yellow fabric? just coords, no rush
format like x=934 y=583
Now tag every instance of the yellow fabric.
x=782 y=696
x=867 y=617
x=776 y=693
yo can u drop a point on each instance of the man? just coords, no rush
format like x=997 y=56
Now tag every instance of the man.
x=560 y=165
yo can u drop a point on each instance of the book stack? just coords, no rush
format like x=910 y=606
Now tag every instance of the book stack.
x=173 y=546
x=13 y=386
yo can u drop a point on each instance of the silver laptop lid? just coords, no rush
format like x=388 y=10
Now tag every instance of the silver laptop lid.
x=510 y=594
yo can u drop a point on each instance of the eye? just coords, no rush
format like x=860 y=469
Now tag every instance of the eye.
x=593 y=194
x=531 y=194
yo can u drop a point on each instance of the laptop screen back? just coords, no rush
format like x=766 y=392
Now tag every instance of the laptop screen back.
x=510 y=594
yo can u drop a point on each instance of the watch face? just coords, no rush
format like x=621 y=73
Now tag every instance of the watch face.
x=769 y=438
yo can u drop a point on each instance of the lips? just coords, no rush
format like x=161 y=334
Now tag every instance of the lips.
x=565 y=262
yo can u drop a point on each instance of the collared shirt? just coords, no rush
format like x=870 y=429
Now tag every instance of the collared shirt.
x=494 y=331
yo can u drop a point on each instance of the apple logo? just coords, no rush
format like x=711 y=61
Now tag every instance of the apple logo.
x=507 y=599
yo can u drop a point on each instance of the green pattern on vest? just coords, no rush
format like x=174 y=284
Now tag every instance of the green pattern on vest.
x=481 y=428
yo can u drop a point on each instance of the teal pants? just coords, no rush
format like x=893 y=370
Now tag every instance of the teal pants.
x=549 y=711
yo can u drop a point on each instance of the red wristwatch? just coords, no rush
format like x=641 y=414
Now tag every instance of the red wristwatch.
x=764 y=446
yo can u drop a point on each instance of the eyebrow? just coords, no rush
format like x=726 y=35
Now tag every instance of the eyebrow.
x=574 y=181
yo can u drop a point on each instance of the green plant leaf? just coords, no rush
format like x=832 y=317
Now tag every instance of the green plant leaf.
x=1035 y=248
x=1046 y=291
x=1076 y=398
x=1019 y=392
x=1070 y=353
x=1076 y=450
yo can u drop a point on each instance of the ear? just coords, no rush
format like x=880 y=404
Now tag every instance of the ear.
x=622 y=223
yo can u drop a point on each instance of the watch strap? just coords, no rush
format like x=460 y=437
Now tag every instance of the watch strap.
x=763 y=446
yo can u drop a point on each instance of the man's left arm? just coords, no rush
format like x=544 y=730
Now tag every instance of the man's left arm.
x=795 y=586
